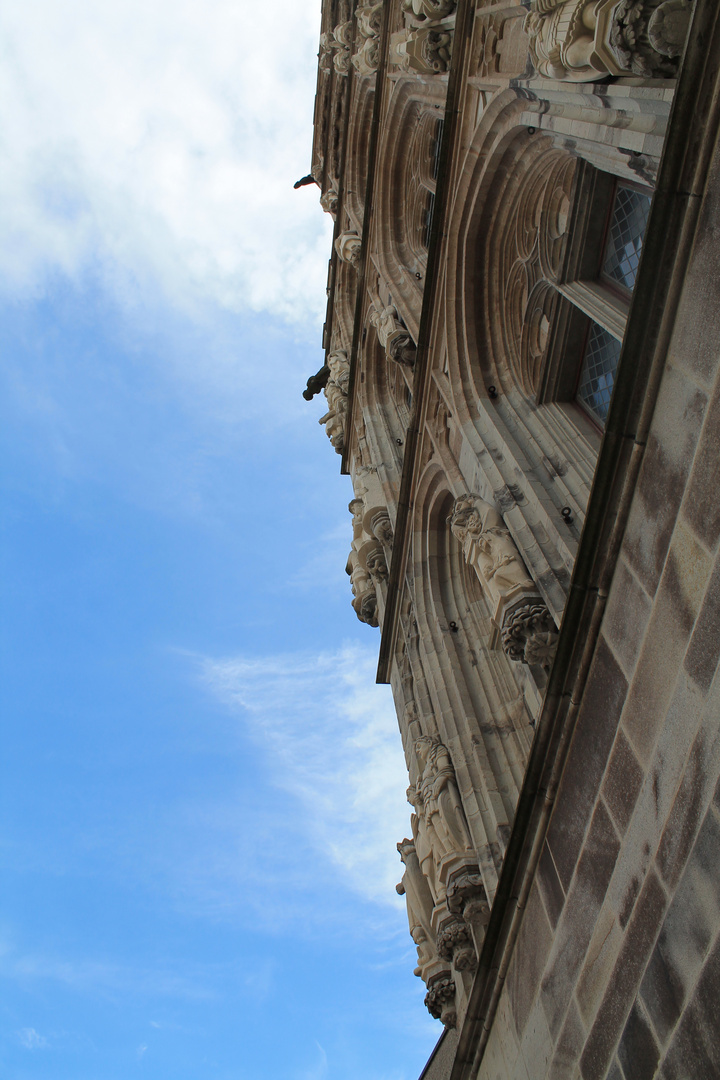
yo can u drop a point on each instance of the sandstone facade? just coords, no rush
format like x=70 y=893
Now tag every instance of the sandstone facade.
x=529 y=414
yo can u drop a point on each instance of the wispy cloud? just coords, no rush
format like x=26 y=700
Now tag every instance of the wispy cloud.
x=31 y=1039
x=330 y=739
x=169 y=169
x=107 y=977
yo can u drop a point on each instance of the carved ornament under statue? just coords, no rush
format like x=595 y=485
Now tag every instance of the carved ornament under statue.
x=528 y=631
x=585 y=40
x=392 y=335
x=349 y=248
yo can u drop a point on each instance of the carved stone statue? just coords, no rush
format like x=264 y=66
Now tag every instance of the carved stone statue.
x=487 y=543
x=349 y=248
x=529 y=633
x=419 y=902
x=392 y=335
x=439 y=796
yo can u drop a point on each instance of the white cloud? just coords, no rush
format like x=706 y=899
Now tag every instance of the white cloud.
x=31 y=1039
x=331 y=739
x=156 y=145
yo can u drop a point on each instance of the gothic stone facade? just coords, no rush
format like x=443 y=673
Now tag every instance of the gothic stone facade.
x=530 y=415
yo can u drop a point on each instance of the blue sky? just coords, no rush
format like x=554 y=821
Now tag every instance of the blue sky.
x=202 y=787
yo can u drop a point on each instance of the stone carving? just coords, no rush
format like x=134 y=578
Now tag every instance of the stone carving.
x=382 y=528
x=369 y=18
x=439 y=825
x=440 y=1000
x=487 y=543
x=466 y=896
x=431 y=10
x=364 y=568
x=528 y=630
x=329 y=199
x=336 y=392
x=349 y=248
x=392 y=335
x=637 y=25
x=377 y=567
x=367 y=58
x=425 y=50
x=668 y=27
x=584 y=40
x=454 y=943
x=419 y=903
x=529 y=634
x=363 y=590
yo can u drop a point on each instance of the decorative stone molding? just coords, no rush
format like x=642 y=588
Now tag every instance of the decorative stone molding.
x=382 y=528
x=440 y=999
x=584 y=40
x=431 y=10
x=392 y=335
x=668 y=27
x=528 y=632
x=376 y=564
x=369 y=20
x=329 y=199
x=454 y=943
x=425 y=50
x=466 y=896
x=336 y=392
x=349 y=248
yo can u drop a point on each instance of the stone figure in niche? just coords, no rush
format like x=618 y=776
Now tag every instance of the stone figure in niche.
x=419 y=902
x=392 y=335
x=336 y=389
x=349 y=248
x=486 y=541
x=438 y=793
x=423 y=841
x=528 y=630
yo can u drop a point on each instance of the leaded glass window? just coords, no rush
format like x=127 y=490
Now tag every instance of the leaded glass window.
x=628 y=221
x=597 y=374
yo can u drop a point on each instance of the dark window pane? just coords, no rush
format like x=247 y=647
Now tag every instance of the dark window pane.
x=627 y=228
x=597 y=374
